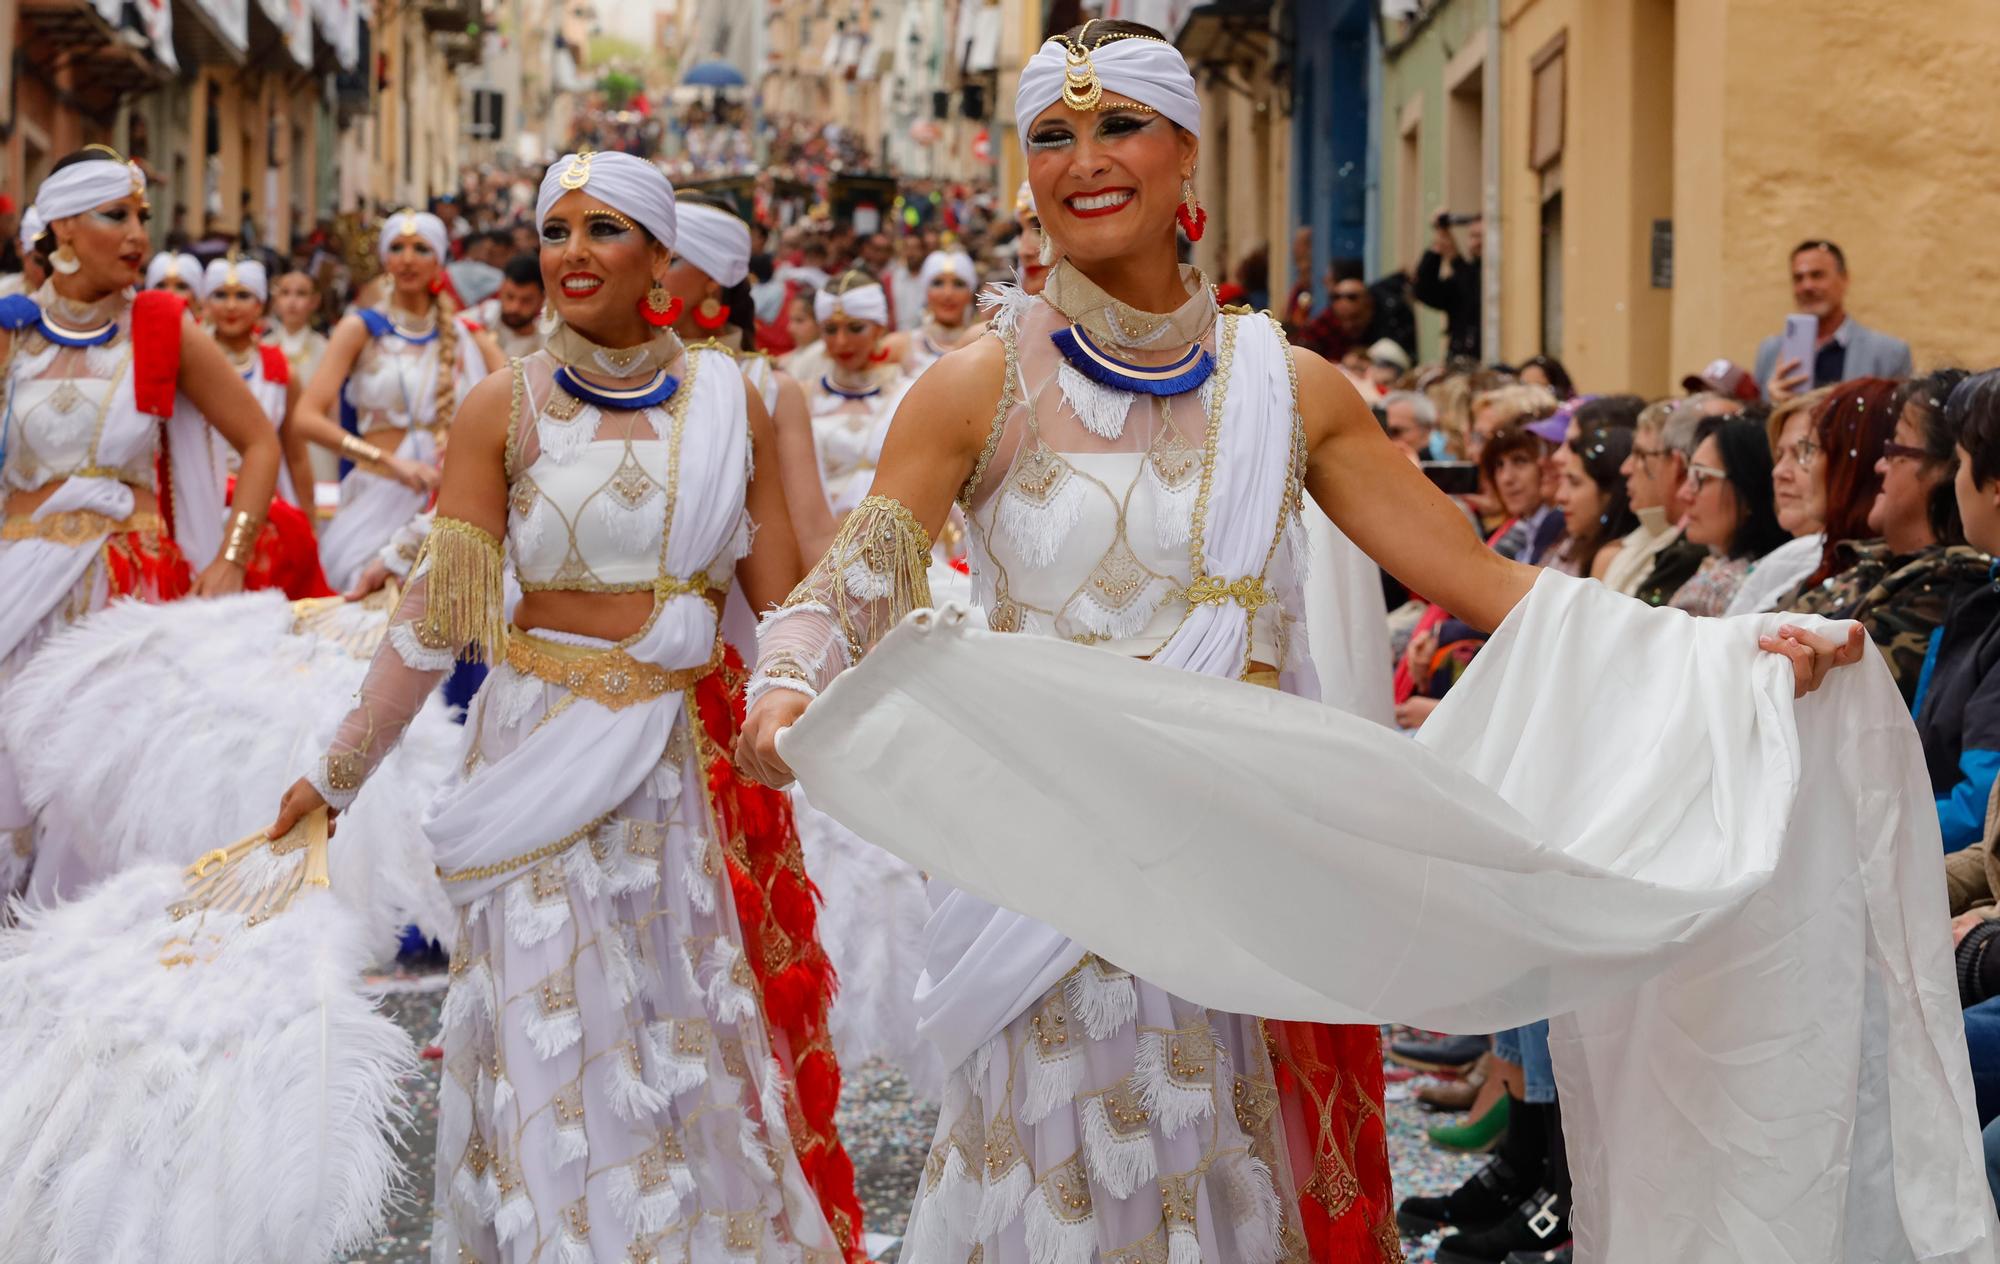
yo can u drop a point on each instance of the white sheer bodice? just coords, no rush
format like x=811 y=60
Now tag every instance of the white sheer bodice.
x=848 y=434
x=1082 y=520
x=588 y=489
x=73 y=412
x=393 y=384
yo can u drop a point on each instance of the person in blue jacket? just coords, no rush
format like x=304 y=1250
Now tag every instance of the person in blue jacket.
x=1958 y=694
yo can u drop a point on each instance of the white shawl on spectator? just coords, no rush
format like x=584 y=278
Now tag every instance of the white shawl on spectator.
x=1732 y=900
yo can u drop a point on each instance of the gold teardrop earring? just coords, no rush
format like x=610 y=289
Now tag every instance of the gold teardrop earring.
x=64 y=260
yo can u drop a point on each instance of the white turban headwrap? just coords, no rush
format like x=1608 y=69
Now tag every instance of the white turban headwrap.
x=866 y=302
x=939 y=262
x=630 y=185
x=248 y=273
x=714 y=241
x=186 y=267
x=415 y=224
x=83 y=185
x=1149 y=71
x=32 y=228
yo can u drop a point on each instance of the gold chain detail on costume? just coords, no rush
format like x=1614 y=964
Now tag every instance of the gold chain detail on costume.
x=1225 y=358
x=1010 y=340
x=1250 y=592
x=76 y=527
x=465 y=590
x=511 y=461
x=525 y=859
x=608 y=676
x=886 y=542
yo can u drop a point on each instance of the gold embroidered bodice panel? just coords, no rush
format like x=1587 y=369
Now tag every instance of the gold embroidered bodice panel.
x=393 y=385
x=589 y=489
x=1080 y=526
x=73 y=414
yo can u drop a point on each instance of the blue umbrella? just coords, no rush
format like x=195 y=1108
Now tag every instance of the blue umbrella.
x=713 y=74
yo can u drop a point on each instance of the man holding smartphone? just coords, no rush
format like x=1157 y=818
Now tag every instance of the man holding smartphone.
x=1835 y=347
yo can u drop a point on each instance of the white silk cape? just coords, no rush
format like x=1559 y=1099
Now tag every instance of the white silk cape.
x=1732 y=902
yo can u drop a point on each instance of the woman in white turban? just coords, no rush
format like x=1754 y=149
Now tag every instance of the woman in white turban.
x=1131 y=462
x=385 y=391
x=948 y=279
x=635 y=1057
x=177 y=273
x=92 y=371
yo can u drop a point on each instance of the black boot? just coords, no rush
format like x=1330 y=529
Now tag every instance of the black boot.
x=1515 y=1170
x=1540 y=1223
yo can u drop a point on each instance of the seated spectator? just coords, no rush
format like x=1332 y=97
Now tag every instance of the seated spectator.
x=1798 y=487
x=1387 y=363
x=1728 y=499
x=1726 y=378
x=1411 y=420
x=1850 y=427
x=1653 y=474
x=1596 y=510
x=1958 y=693
x=1679 y=430
x=1495 y=410
x=1899 y=584
x=1548 y=373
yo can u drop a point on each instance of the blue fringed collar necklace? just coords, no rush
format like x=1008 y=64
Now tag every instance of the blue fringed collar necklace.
x=847 y=392
x=659 y=389
x=1103 y=333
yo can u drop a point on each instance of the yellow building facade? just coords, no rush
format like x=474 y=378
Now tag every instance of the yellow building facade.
x=1658 y=159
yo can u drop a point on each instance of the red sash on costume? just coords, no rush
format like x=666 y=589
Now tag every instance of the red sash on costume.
x=277 y=369
x=156 y=375
x=777 y=907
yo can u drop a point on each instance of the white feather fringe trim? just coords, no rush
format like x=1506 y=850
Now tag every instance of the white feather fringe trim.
x=1103 y=998
x=1053 y=1240
x=648 y=1211
x=1172 y=1103
x=551 y=1034
x=1038 y=526
x=1120 y=1162
x=1003 y=1201
x=1102 y=409
x=1053 y=1081
x=632 y=1099
x=532 y=920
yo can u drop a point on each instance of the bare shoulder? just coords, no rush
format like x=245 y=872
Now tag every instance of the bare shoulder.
x=481 y=421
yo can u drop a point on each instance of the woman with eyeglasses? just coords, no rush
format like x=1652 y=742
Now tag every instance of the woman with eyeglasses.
x=1900 y=580
x=1727 y=498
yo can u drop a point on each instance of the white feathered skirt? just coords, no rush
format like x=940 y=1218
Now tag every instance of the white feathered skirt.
x=1109 y=1122
x=610 y=1090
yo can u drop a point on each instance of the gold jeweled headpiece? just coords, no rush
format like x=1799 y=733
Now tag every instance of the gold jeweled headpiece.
x=578 y=173
x=138 y=176
x=229 y=279
x=1081 y=89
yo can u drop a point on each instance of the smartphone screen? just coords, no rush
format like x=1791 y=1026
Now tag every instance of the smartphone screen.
x=1453 y=478
x=1800 y=343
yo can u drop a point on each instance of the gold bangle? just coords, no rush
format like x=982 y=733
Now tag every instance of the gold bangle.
x=240 y=542
x=362 y=452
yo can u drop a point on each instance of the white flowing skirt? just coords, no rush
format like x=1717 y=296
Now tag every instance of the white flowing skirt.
x=1111 y=1121
x=611 y=1092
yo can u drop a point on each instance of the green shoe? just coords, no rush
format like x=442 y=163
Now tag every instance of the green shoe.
x=1478 y=1135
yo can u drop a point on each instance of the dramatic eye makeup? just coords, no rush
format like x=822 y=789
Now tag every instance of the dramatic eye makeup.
x=1111 y=125
x=606 y=225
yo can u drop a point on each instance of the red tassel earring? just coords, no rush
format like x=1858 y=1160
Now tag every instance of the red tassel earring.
x=711 y=316
x=437 y=282
x=1192 y=215
x=660 y=310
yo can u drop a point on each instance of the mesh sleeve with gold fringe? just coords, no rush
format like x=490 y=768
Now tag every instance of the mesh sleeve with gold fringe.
x=453 y=608
x=876 y=571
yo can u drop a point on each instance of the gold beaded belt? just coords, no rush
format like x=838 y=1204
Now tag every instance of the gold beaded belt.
x=77 y=527
x=607 y=676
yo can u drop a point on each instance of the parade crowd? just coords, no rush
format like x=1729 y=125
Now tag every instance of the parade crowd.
x=1854 y=481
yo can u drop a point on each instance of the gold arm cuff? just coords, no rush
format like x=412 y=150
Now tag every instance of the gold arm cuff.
x=239 y=542
x=609 y=677
x=362 y=453
x=77 y=527
x=465 y=594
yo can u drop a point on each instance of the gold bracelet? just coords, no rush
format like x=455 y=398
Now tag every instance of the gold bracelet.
x=362 y=452
x=240 y=541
